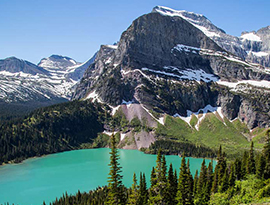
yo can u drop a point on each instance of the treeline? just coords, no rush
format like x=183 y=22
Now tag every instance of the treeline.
x=240 y=182
x=170 y=147
x=51 y=129
x=94 y=197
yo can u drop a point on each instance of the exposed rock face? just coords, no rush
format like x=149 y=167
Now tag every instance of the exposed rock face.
x=255 y=50
x=167 y=64
x=258 y=46
x=15 y=65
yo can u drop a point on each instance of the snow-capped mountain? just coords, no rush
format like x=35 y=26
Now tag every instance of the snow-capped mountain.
x=257 y=46
x=25 y=86
x=178 y=62
x=22 y=81
x=253 y=46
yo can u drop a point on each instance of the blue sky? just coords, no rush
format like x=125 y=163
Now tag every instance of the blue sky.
x=34 y=29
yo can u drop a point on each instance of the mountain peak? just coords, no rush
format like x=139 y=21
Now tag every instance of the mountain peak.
x=55 y=56
x=171 y=12
x=197 y=20
x=57 y=62
x=14 y=65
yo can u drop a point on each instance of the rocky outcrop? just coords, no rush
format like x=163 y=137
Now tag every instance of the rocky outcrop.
x=168 y=65
x=253 y=47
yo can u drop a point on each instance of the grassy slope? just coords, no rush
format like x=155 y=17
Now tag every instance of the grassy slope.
x=212 y=133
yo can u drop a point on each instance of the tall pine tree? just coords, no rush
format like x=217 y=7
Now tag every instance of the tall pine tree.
x=251 y=169
x=133 y=197
x=184 y=191
x=171 y=187
x=266 y=154
x=116 y=189
x=158 y=190
x=143 y=193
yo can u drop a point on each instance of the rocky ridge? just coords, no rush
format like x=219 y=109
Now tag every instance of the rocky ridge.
x=251 y=46
x=166 y=64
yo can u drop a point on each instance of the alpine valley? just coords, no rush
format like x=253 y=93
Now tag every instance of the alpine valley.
x=174 y=84
x=172 y=76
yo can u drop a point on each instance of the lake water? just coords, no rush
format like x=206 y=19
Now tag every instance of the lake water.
x=43 y=179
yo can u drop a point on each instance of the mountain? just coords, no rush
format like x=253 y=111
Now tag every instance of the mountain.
x=25 y=86
x=168 y=63
x=251 y=46
x=15 y=65
x=257 y=46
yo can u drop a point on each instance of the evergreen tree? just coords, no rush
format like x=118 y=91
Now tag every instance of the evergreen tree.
x=143 y=193
x=266 y=147
x=224 y=182
x=158 y=191
x=237 y=168
x=116 y=188
x=260 y=167
x=195 y=183
x=183 y=192
x=171 y=187
x=215 y=181
x=175 y=178
x=163 y=169
x=219 y=170
x=133 y=197
x=153 y=179
x=158 y=169
x=201 y=194
x=191 y=183
x=244 y=165
x=251 y=161
x=210 y=177
x=232 y=176
x=266 y=154
x=222 y=165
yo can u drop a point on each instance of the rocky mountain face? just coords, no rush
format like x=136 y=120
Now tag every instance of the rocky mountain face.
x=170 y=62
x=15 y=65
x=257 y=46
x=251 y=46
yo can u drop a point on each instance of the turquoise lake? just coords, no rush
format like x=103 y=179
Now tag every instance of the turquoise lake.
x=43 y=179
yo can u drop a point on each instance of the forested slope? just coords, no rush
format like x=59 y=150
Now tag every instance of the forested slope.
x=52 y=129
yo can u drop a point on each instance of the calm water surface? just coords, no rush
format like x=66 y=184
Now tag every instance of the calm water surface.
x=46 y=178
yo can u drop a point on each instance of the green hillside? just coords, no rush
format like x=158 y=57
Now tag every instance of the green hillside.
x=212 y=132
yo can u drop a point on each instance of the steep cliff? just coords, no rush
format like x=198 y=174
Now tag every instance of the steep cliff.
x=168 y=65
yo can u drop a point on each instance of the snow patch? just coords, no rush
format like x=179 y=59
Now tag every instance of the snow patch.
x=259 y=54
x=114 y=109
x=219 y=111
x=108 y=61
x=109 y=133
x=112 y=46
x=250 y=37
x=94 y=96
x=262 y=83
x=122 y=136
x=165 y=11
x=181 y=47
x=203 y=111
x=72 y=61
x=161 y=120
x=187 y=74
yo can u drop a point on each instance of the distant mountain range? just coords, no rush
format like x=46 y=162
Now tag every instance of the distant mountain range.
x=173 y=75
x=168 y=62
x=25 y=86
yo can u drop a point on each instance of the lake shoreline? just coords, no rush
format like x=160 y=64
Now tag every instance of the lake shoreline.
x=45 y=155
